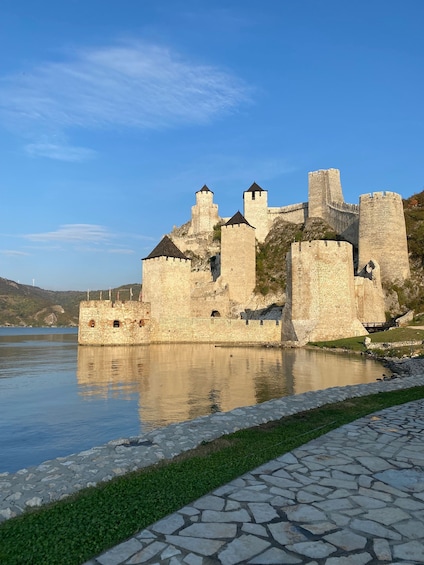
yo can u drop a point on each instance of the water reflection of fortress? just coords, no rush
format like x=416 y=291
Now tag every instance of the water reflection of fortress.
x=181 y=382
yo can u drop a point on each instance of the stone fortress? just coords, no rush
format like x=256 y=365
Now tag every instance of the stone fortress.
x=325 y=297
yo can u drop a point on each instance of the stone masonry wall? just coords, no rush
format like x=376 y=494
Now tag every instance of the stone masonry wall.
x=320 y=293
x=382 y=235
x=204 y=214
x=238 y=260
x=256 y=212
x=166 y=285
x=103 y=322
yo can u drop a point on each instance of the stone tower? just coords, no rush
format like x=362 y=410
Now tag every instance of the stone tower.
x=382 y=235
x=204 y=214
x=255 y=201
x=320 y=293
x=166 y=282
x=238 y=258
x=324 y=187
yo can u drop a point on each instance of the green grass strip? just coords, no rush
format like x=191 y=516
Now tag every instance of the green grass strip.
x=80 y=527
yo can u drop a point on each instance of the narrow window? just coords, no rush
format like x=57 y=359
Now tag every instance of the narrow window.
x=116 y=323
x=91 y=323
x=141 y=323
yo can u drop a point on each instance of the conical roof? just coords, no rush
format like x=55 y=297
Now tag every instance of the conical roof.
x=255 y=188
x=238 y=218
x=166 y=248
x=205 y=189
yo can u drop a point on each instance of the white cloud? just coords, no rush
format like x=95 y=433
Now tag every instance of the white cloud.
x=59 y=152
x=12 y=252
x=135 y=85
x=73 y=233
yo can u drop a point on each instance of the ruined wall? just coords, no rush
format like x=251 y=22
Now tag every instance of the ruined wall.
x=166 y=285
x=255 y=210
x=382 y=235
x=369 y=295
x=238 y=260
x=320 y=293
x=104 y=322
x=204 y=214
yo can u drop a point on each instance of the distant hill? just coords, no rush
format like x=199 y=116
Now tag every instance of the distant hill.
x=24 y=305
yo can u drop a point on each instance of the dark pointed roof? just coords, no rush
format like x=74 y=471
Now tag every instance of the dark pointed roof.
x=205 y=189
x=238 y=218
x=255 y=188
x=166 y=248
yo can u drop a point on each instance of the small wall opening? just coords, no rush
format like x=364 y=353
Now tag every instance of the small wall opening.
x=116 y=323
x=91 y=323
x=141 y=323
x=215 y=314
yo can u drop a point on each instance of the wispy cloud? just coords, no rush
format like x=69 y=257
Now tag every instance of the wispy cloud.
x=12 y=252
x=60 y=152
x=73 y=233
x=133 y=85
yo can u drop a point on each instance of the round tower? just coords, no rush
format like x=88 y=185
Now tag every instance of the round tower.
x=382 y=235
x=204 y=214
x=238 y=258
x=166 y=282
x=255 y=201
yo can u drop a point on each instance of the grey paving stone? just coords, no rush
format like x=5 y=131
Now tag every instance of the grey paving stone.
x=197 y=545
x=209 y=503
x=286 y=533
x=145 y=554
x=346 y=540
x=412 y=550
x=386 y=516
x=262 y=512
x=242 y=549
x=232 y=516
x=275 y=556
x=210 y=531
x=312 y=549
x=120 y=552
x=374 y=529
x=382 y=550
x=169 y=525
x=356 y=559
x=304 y=513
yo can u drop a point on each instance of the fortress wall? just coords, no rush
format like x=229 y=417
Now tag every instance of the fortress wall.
x=238 y=260
x=166 y=285
x=344 y=219
x=296 y=213
x=216 y=330
x=255 y=211
x=382 y=235
x=320 y=293
x=136 y=327
x=103 y=322
x=204 y=214
x=369 y=300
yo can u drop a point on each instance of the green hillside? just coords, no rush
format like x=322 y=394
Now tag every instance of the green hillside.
x=23 y=305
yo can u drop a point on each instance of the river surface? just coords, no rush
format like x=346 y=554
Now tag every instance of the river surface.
x=57 y=398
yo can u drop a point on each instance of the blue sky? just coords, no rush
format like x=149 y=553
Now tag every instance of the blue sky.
x=113 y=113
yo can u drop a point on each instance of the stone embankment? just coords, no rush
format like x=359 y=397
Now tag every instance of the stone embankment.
x=56 y=479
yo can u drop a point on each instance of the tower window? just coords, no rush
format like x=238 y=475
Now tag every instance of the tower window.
x=116 y=323
x=91 y=323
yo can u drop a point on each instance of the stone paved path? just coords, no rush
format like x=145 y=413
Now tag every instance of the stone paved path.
x=354 y=496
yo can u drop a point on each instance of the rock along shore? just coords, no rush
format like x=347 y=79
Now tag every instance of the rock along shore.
x=58 y=478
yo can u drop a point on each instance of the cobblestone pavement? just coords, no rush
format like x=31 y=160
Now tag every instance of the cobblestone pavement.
x=354 y=496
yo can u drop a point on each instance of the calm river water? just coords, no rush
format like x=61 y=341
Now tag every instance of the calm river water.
x=57 y=398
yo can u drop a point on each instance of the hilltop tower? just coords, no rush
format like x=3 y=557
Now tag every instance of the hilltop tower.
x=324 y=187
x=255 y=202
x=320 y=293
x=238 y=257
x=382 y=235
x=166 y=281
x=204 y=214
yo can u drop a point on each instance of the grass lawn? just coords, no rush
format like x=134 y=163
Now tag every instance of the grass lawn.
x=72 y=531
x=389 y=336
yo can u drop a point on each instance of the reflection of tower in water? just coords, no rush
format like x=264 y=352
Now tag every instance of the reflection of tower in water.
x=181 y=382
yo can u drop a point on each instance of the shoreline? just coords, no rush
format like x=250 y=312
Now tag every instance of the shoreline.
x=58 y=478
